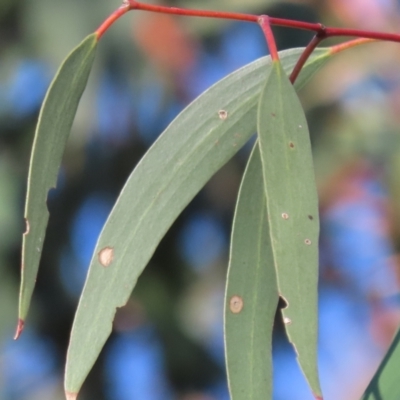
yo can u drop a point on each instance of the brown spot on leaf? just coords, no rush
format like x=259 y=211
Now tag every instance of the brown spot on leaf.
x=307 y=242
x=106 y=256
x=273 y=114
x=236 y=304
x=291 y=145
x=310 y=217
x=223 y=114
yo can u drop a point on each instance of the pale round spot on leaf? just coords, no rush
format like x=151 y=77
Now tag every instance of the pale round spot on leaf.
x=106 y=256
x=28 y=227
x=236 y=304
x=307 y=242
x=285 y=216
x=223 y=114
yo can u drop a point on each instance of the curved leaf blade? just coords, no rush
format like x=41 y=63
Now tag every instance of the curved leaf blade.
x=196 y=145
x=54 y=125
x=251 y=297
x=292 y=203
x=385 y=383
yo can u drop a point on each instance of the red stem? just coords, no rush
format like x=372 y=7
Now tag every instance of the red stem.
x=264 y=22
x=316 y=40
x=136 y=5
x=316 y=27
x=390 y=37
x=111 y=19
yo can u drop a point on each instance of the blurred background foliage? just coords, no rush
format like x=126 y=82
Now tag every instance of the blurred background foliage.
x=168 y=340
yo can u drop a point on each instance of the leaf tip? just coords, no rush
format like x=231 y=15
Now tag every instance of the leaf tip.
x=20 y=328
x=71 y=396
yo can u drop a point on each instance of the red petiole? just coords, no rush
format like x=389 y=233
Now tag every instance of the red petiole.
x=265 y=23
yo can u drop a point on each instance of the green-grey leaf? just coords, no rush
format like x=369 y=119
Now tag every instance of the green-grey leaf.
x=251 y=293
x=385 y=383
x=292 y=204
x=196 y=145
x=54 y=125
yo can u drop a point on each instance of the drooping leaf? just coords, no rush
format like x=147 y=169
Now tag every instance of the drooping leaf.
x=196 y=145
x=385 y=383
x=292 y=203
x=54 y=125
x=251 y=293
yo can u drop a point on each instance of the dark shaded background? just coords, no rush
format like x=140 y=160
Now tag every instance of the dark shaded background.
x=167 y=342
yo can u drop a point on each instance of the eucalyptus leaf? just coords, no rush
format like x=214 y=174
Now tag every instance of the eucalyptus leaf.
x=292 y=203
x=385 y=383
x=195 y=145
x=55 y=120
x=251 y=293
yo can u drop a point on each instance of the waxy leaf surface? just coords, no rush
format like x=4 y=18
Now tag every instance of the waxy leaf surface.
x=251 y=293
x=195 y=145
x=53 y=128
x=292 y=204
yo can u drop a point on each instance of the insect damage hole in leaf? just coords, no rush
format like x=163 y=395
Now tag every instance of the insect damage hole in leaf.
x=223 y=114
x=282 y=303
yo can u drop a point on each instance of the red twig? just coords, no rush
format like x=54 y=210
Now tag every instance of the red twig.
x=265 y=22
x=136 y=5
x=288 y=23
x=389 y=37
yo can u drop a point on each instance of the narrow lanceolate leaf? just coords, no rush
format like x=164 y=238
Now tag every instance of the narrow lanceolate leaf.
x=251 y=292
x=292 y=204
x=385 y=383
x=55 y=120
x=196 y=145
